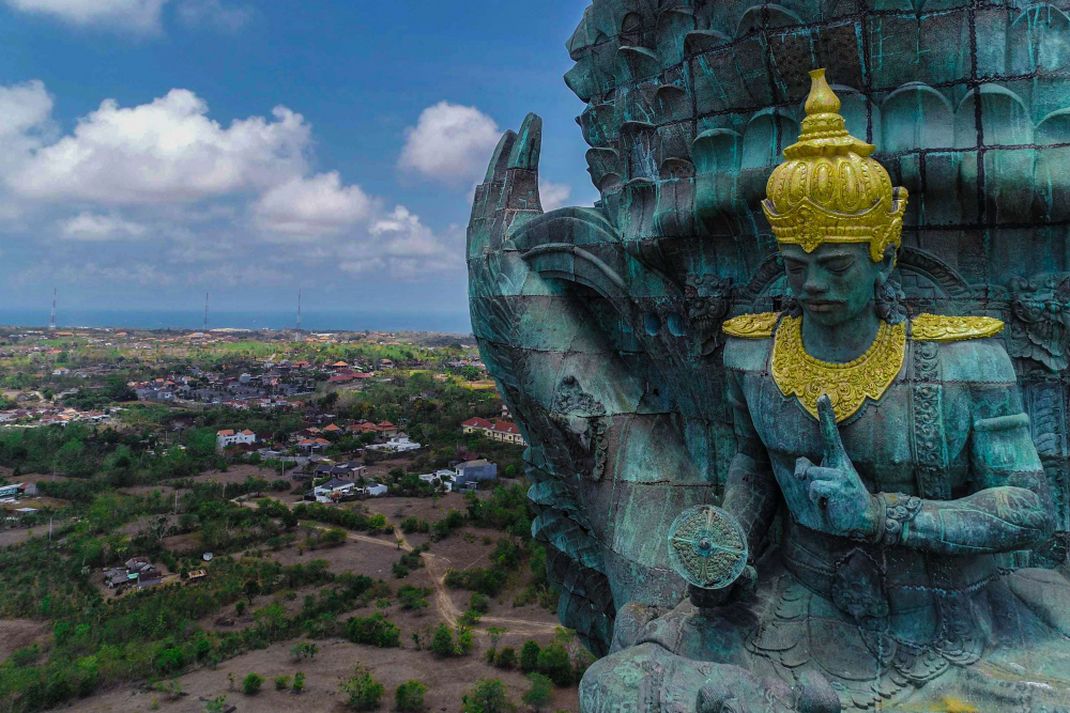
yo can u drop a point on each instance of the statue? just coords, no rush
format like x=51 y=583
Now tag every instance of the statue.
x=899 y=452
x=784 y=453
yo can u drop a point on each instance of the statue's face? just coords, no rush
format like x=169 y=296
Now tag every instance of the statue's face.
x=835 y=283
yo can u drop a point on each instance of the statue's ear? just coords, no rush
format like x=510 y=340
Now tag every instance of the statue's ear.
x=886 y=266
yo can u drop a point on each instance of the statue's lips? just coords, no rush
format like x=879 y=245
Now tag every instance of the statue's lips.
x=821 y=305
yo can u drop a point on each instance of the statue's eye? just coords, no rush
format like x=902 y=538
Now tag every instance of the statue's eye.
x=794 y=268
x=839 y=265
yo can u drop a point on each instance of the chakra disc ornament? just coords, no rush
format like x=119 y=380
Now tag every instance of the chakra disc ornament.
x=707 y=547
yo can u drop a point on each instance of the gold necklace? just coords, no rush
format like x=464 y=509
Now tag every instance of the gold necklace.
x=849 y=384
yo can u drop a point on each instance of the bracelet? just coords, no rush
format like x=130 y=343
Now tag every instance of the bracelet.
x=897 y=513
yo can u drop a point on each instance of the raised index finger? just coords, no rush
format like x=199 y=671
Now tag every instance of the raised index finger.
x=835 y=454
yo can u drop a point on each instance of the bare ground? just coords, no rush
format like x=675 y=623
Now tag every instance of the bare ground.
x=16 y=633
x=446 y=679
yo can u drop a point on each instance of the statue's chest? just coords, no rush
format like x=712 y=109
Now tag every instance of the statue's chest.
x=885 y=440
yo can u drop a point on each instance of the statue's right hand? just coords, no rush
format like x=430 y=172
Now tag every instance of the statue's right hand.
x=510 y=192
x=741 y=590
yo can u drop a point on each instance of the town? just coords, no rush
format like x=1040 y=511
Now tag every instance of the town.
x=270 y=492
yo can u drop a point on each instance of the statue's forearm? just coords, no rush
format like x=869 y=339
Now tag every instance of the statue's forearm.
x=751 y=494
x=998 y=519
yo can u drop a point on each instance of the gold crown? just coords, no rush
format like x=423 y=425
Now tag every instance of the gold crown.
x=829 y=190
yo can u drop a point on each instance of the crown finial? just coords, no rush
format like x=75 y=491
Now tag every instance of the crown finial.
x=824 y=131
x=822 y=100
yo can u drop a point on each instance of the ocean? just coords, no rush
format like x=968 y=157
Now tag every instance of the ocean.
x=313 y=321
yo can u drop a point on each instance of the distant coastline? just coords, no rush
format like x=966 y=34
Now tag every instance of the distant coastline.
x=341 y=320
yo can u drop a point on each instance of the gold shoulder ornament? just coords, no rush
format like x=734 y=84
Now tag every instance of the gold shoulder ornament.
x=941 y=328
x=751 y=326
x=849 y=384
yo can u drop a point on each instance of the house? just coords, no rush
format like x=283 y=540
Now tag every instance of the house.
x=11 y=491
x=476 y=425
x=398 y=444
x=475 y=471
x=313 y=445
x=375 y=490
x=360 y=427
x=332 y=429
x=387 y=429
x=228 y=437
x=136 y=571
x=440 y=478
x=334 y=490
x=498 y=430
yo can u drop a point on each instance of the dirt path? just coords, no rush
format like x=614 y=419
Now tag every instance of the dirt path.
x=437 y=567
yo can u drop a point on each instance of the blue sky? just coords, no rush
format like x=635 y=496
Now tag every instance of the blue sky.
x=153 y=149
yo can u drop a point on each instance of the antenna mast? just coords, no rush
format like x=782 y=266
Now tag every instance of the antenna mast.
x=298 y=311
x=52 y=318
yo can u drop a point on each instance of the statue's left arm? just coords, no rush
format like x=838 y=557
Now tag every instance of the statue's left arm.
x=1009 y=508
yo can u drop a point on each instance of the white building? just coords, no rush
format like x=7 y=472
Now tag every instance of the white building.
x=443 y=478
x=400 y=443
x=375 y=490
x=228 y=437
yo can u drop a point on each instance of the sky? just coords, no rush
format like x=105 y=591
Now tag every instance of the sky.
x=153 y=150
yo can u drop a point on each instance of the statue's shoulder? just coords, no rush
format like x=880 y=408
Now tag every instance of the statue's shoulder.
x=945 y=328
x=749 y=340
x=751 y=326
x=967 y=351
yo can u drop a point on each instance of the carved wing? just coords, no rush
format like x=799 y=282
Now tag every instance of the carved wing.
x=577 y=333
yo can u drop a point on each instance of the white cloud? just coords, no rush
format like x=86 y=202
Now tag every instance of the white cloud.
x=553 y=195
x=214 y=13
x=166 y=151
x=233 y=204
x=314 y=206
x=450 y=144
x=93 y=227
x=25 y=111
x=142 y=16
x=403 y=247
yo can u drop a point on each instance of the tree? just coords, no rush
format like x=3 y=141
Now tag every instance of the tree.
x=529 y=657
x=442 y=641
x=375 y=630
x=409 y=697
x=251 y=684
x=488 y=696
x=541 y=692
x=554 y=661
x=364 y=691
x=506 y=658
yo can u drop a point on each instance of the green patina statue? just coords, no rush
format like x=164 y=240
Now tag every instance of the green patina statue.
x=799 y=441
x=901 y=459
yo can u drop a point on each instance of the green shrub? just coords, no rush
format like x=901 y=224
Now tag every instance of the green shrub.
x=529 y=656
x=251 y=684
x=364 y=692
x=413 y=597
x=442 y=641
x=299 y=682
x=488 y=696
x=506 y=658
x=554 y=662
x=409 y=697
x=282 y=683
x=374 y=630
x=541 y=692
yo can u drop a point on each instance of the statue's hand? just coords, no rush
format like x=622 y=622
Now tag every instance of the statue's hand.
x=837 y=501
